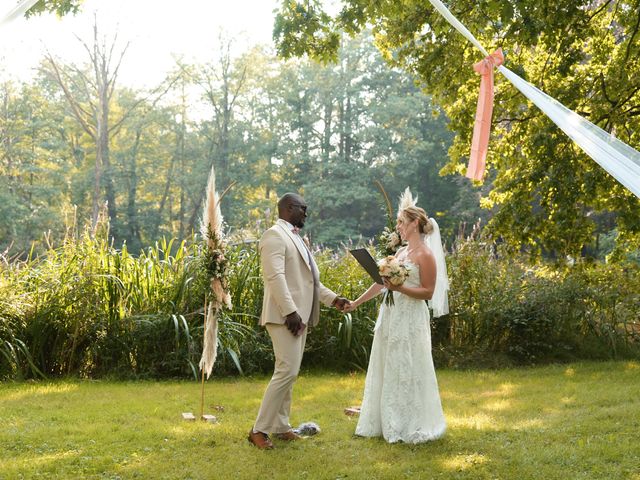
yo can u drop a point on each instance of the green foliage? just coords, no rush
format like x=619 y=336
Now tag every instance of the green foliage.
x=501 y=304
x=15 y=355
x=342 y=341
x=33 y=194
x=245 y=346
x=89 y=310
x=325 y=131
x=585 y=54
x=307 y=23
x=60 y=7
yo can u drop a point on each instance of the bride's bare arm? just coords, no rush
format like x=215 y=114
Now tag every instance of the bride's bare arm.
x=366 y=296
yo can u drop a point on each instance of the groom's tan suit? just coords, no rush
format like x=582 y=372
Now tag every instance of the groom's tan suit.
x=291 y=284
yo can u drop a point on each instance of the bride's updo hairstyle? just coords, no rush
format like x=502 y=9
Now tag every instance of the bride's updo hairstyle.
x=416 y=213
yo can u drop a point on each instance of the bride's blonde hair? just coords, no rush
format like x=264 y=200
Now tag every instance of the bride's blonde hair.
x=410 y=212
x=416 y=213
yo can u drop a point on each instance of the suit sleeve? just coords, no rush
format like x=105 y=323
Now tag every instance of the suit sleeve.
x=272 y=259
x=327 y=296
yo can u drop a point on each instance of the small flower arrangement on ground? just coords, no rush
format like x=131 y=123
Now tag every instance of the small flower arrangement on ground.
x=396 y=271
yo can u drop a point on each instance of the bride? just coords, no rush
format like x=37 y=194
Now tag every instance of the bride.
x=401 y=401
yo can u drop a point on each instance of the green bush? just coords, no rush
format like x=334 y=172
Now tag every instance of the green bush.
x=339 y=341
x=87 y=309
x=501 y=305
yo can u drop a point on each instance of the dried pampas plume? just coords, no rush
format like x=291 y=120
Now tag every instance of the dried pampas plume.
x=386 y=199
x=211 y=227
x=406 y=200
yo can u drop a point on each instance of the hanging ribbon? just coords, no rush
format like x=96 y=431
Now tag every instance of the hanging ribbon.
x=482 y=127
x=619 y=159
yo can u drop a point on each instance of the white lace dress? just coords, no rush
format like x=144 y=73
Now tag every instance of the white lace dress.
x=401 y=399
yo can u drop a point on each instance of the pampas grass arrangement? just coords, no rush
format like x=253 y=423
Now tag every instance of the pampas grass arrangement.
x=217 y=271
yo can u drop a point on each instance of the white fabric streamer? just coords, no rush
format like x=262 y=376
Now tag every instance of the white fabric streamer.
x=440 y=300
x=615 y=156
x=17 y=11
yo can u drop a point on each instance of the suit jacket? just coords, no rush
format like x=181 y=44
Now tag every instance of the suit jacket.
x=288 y=276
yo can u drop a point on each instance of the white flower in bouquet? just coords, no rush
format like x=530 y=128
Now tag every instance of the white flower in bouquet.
x=393 y=240
x=396 y=271
x=390 y=240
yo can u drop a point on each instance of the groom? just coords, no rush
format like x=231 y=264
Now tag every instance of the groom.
x=292 y=292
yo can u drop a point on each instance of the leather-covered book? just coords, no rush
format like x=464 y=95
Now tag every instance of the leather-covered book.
x=367 y=262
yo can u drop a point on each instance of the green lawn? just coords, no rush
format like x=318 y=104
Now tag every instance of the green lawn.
x=555 y=422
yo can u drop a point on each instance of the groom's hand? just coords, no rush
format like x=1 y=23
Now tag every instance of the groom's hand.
x=294 y=323
x=341 y=303
x=349 y=307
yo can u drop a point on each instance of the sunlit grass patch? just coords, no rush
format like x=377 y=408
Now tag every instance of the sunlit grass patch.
x=632 y=366
x=508 y=424
x=464 y=462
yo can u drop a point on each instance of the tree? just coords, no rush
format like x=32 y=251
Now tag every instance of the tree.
x=90 y=93
x=60 y=7
x=327 y=131
x=89 y=96
x=223 y=82
x=33 y=191
x=583 y=53
x=345 y=125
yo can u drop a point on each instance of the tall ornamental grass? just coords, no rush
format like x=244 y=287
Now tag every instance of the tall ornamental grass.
x=88 y=309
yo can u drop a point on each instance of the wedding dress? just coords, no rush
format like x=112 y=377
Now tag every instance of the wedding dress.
x=401 y=399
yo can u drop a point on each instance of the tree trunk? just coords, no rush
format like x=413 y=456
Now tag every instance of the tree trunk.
x=132 y=214
x=326 y=137
x=97 y=178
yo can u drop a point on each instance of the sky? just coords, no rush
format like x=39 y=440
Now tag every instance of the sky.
x=157 y=30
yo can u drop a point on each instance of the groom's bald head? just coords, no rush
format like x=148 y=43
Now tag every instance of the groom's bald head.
x=293 y=209
x=288 y=199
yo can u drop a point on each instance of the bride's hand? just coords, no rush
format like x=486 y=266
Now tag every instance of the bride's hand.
x=389 y=286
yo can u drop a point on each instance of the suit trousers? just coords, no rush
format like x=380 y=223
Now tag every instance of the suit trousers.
x=273 y=416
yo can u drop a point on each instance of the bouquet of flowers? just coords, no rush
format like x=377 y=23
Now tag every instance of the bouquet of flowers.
x=396 y=271
x=389 y=240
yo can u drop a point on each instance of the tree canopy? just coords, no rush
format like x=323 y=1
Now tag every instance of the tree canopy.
x=545 y=193
x=60 y=7
x=326 y=131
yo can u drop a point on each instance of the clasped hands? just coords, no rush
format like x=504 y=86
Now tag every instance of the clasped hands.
x=351 y=306
x=295 y=325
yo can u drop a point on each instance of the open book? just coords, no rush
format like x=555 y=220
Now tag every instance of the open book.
x=367 y=262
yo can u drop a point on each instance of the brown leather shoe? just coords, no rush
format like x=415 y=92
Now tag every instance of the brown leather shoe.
x=289 y=436
x=260 y=440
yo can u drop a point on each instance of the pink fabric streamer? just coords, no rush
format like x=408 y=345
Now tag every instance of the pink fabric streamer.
x=482 y=127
